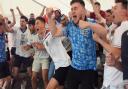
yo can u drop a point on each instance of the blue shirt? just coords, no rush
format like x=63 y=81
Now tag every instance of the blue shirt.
x=83 y=47
x=2 y=48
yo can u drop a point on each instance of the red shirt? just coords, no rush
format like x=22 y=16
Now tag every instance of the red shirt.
x=46 y=18
x=92 y=14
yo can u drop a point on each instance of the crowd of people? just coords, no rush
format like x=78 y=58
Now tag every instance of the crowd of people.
x=66 y=52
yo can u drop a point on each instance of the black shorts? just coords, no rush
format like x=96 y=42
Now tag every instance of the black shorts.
x=85 y=79
x=124 y=54
x=61 y=74
x=13 y=51
x=26 y=62
x=8 y=54
x=4 y=70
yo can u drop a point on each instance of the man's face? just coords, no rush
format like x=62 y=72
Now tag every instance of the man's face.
x=23 y=23
x=119 y=13
x=32 y=16
x=57 y=14
x=39 y=25
x=109 y=17
x=77 y=12
x=97 y=7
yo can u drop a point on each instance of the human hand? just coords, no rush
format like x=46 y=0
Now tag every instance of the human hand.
x=26 y=47
x=110 y=59
x=17 y=8
x=11 y=10
x=49 y=12
x=83 y=24
x=38 y=45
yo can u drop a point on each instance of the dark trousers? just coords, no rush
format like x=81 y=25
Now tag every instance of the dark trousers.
x=85 y=79
x=124 y=54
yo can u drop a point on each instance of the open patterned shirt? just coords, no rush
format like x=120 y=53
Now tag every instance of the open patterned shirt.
x=83 y=46
x=2 y=48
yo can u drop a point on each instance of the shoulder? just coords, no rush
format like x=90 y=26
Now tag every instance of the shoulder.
x=15 y=28
x=123 y=27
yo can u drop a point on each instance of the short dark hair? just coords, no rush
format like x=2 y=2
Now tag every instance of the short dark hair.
x=79 y=1
x=24 y=17
x=97 y=3
x=109 y=11
x=41 y=19
x=123 y=2
x=58 y=10
x=31 y=13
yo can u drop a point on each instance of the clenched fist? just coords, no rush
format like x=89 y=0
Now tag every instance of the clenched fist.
x=83 y=24
x=49 y=12
x=11 y=10
x=110 y=59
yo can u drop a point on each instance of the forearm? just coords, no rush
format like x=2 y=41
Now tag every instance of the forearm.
x=99 y=30
x=52 y=26
x=14 y=19
x=52 y=22
x=92 y=3
x=105 y=45
x=20 y=13
x=42 y=13
x=110 y=49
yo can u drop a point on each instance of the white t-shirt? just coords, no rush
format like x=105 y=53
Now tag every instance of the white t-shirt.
x=113 y=76
x=14 y=38
x=38 y=53
x=57 y=51
x=21 y=40
x=109 y=29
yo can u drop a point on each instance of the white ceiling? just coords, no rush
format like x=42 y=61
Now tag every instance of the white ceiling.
x=28 y=6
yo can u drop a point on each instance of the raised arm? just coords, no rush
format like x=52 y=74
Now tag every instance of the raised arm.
x=21 y=14
x=93 y=4
x=97 y=28
x=96 y=10
x=52 y=23
x=14 y=18
x=42 y=13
